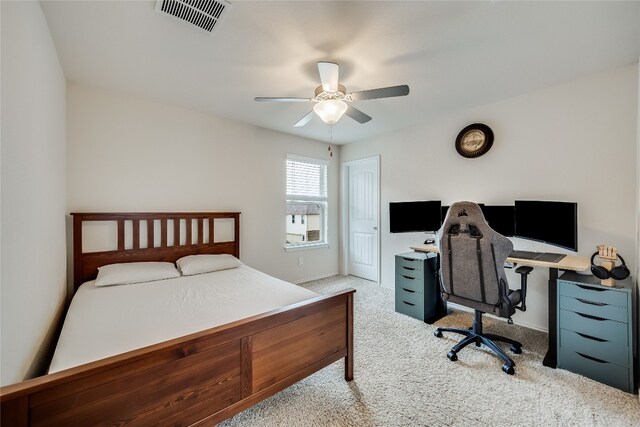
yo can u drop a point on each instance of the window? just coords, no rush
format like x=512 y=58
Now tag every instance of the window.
x=306 y=189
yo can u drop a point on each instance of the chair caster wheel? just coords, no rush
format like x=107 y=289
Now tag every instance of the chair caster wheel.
x=438 y=333
x=508 y=369
x=452 y=356
x=516 y=349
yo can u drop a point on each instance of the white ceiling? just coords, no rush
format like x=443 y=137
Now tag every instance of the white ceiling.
x=453 y=55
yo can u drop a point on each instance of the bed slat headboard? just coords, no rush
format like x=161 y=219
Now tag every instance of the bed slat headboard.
x=85 y=264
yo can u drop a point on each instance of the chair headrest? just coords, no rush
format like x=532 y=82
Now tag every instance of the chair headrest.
x=467 y=217
x=464 y=214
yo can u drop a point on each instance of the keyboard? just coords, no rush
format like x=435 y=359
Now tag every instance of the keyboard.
x=550 y=257
x=537 y=256
x=524 y=254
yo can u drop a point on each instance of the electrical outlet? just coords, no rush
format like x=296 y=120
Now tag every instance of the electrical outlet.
x=300 y=261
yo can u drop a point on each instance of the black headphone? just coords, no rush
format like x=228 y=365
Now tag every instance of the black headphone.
x=619 y=272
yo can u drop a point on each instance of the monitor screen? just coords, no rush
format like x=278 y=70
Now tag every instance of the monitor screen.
x=443 y=212
x=405 y=217
x=555 y=223
x=500 y=218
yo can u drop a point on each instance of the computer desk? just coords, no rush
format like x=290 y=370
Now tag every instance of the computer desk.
x=569 y=262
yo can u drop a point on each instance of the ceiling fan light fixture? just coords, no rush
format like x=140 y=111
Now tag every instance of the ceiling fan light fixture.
x=331 y=97
x=330 y=110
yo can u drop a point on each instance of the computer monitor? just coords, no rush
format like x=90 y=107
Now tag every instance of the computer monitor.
x=405 y=217
x=443 y=212
x=555 y=223
x=500 y=218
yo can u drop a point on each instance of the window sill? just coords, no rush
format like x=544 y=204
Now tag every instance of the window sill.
x=293 y=248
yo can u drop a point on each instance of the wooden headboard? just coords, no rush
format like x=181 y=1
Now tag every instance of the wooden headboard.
x=85 y=265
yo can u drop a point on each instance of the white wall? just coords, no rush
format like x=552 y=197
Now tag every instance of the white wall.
x=572 y=142
x=637 y=270
x=33 y=277
x=129 y=154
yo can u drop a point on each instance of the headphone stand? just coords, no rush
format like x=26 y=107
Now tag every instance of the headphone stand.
x=608 y=256
x=608 y=263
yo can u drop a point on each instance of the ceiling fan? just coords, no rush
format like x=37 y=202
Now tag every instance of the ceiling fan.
x=332 y=99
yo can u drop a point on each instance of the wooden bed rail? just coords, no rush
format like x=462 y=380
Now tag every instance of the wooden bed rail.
x=202 y=378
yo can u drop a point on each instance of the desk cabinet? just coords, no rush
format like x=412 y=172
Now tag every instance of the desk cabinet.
x=417 y=287
x=596 y=329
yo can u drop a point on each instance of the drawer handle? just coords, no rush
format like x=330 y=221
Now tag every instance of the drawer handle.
x=589 y=337
x=584 y=301
x=409 y=259
x=408 y=268
x=409 y=277
x=409 y=290
x=595 y=359
x=588 y=288
x=408 y=303
x=589 y=316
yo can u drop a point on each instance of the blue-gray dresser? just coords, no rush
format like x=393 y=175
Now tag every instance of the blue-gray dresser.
x=417 y=287
x=596 y=329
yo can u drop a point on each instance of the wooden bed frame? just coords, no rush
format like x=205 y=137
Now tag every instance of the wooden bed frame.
x=199 y=379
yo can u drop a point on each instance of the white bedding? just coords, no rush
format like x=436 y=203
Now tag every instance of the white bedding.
x=106 y=321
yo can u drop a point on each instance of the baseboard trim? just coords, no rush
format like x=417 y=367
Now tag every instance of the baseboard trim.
x=470 y=310
x=384 y=285
x=324 y=276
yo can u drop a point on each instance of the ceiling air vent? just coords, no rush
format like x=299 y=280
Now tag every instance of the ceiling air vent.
x=205 y=14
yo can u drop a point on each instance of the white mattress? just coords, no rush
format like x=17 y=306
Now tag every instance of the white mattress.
x=105 y=321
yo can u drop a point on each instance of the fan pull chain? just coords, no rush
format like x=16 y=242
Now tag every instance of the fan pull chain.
x=330 y=139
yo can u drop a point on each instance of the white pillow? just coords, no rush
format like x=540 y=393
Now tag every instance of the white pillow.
x=197 y=264
x=135 y=272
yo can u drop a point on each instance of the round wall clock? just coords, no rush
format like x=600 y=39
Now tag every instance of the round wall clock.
x=474 y=140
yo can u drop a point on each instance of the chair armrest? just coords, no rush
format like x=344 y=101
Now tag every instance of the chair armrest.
x=523 y=272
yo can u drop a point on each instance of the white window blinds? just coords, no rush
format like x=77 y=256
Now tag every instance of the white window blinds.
x=307 y=199
x=306 y=179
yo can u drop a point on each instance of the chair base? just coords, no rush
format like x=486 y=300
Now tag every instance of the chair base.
x=475 y=335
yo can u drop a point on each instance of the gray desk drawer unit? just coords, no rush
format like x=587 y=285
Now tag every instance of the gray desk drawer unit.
x=417 y=293
x=596 y=329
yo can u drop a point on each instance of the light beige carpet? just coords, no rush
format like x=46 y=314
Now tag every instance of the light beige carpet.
x=403 y=378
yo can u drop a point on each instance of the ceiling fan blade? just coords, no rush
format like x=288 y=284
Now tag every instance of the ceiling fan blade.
x=383 y=92
x=329 y=73
x=267 y=98
x=303 y=121
x=357 y=115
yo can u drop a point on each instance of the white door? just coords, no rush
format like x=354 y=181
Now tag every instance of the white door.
x=363 y=227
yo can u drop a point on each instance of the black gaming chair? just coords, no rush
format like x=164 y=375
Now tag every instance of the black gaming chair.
x=472 y=274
